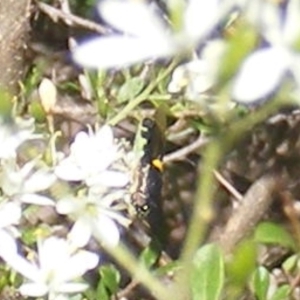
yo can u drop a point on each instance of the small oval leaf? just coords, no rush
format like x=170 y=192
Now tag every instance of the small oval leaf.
x=271 y=233
x=110 y=279
x=208 y=274
x=130 y=89
x=282 y=293
x=261 y=281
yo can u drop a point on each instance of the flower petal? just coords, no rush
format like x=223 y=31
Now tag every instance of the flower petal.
x=292 y=23
x=39 y=181
x=78 y=264
x=106 y=231
x=10 y=213
x=8 y=245
x=133 y=17
x=200 y=17
x=80 y=233
x=24 y=267
x=36 y=199
x=295 y=69
x=195 y=74
x=259 y=75
x=53 y=254
x=119 y=51
x=69 y=171
x=72 y=288
x=109 y=179
x=105 y=137
x=67 y=206
x=33 y=289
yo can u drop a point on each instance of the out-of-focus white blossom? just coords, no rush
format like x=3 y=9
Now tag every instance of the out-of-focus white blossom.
x=263 y=71
x=145 y=36
x=55 y=271
x=93 y=216
x=10 y=215
x=91 y=155
x=13 y=133
x=23 y=184
x=199 y=75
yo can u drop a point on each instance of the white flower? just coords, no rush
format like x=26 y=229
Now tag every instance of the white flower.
x=10 y=214
x=22 y=184
x=93 y=216
x=18 y=185
x=91 y=154
x=263 y=71
x=57 y=268
x=146 y=36
x=13 y=133
x=199 y=75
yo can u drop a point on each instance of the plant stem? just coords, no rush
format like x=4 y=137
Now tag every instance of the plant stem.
x=143 y=96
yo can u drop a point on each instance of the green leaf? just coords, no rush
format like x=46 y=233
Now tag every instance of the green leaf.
x=102 y=293
x=33 y=79
x=208 y=273
x=6 y=104
x=149 y=256
x=271 y=233
x=242 y=264
x=109 y=282
x=291 y=263
x=261 y=281
x=37 y=112
x=282 y=293
x=131 y=88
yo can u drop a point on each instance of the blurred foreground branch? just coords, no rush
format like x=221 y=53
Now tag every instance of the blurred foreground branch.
x=252 y=209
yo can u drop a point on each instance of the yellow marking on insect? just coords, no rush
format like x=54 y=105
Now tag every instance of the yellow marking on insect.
x=158 y=164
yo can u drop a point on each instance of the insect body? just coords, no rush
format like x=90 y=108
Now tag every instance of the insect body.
x=149 y=173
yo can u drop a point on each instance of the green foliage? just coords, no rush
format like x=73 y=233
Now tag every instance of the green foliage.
x=291 y=264
x=149 y=256
x=131 y=88
x=282 y=293
x=4 y=277
x=239 y=46
x=261 y=281
x=98 y=81
x=262 y=285
x=36 y=111
x=208 y=273
x=83 y=7
x=242 y=264
x=271 y=233
x=33 y=79
x=109 y=282
x=6 y=104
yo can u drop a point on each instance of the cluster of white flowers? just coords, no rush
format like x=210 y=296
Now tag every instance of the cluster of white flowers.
x=96 y=163
x=146 y=37
x=94 y=210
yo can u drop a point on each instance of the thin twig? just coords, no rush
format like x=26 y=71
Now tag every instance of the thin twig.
x=229 y=187
x=128 y=289
x=185 y=151
x=291 y=213
x=70 y=19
